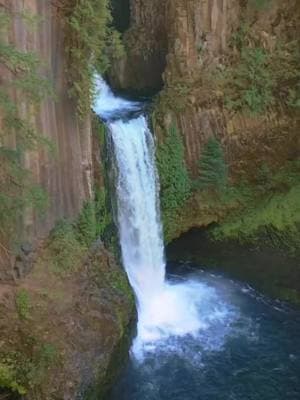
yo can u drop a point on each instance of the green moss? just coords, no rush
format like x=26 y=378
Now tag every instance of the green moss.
x=9 y=379
x=86 y=225
x=25 y=370
x=65 y=252
x=267 y=209
x=23 y=303
x=279 y=213
x=260 y=4
x=119 y=282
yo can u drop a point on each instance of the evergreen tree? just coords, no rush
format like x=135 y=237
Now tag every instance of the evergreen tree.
x=174 y=177
x=212 y=166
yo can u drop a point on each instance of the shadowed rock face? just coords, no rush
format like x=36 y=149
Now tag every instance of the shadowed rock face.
x=65 y=175
x=145 y=41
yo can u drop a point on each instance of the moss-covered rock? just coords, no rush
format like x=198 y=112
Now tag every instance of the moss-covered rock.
x=61 y=331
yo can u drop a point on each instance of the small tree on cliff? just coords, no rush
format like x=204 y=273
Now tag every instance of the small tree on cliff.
x=212 y=167
x=174 y=177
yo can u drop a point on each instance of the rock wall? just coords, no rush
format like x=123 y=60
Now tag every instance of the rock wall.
x=193 y=36
x=65 y=175
x=146 y=46
x=199 y=41
x=199 y=33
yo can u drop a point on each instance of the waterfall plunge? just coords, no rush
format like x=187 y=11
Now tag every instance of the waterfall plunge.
x=164 y=309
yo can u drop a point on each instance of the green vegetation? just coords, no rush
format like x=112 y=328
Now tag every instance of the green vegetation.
x=103 y=216
x=252 y=82
x=103 y=200
x=9 y=378
x=23 y=303
x=22 y=371
x=260 y=4
x=24 y=79
x=267 y=208
x=94 y=219
x=86 y=225
x=174 y=178
x=256 y=78
x=65 y=251
x=91 y=43
x=70 y=241
x=212 y=167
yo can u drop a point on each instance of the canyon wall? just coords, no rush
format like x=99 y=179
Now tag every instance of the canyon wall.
x=65 y=173
x=145 y=43
x=193 y=37
x=199 y=35
x=202 y=41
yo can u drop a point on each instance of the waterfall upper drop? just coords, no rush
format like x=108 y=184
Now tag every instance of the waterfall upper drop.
x=137 y=195
x=164 y=309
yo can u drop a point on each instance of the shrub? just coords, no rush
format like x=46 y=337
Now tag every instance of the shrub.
x=86 y=226
x=9 y=380
x=212 y=167
x=252 y=82
x=65 y=251
x=258 y=78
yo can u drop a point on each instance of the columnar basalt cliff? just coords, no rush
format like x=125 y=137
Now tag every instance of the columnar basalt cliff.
x=145 y=42
x=65 y=173
x=230 y=73
x=199 y=40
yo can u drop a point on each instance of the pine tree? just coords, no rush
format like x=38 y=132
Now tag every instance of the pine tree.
x=174 y=178
x=212 y=167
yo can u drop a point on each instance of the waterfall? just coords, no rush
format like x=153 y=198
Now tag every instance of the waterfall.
x=165 y=309
x=138 y=212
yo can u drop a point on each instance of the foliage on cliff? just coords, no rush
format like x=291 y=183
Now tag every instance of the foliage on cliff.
x=268 y=208
x=25 y=79
x=212 y=167
x=91 y=42
x=256 y=77
x=174 y=178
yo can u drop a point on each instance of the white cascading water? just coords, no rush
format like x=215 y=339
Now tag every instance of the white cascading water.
x=165 y=309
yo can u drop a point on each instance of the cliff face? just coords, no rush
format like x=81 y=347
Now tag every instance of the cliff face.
x=146 y=48
x=66 y=173
x=204 y=42
x=199 y=35
x=194 y=38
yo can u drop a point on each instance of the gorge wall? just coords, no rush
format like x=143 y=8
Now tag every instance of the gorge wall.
x=66 y=173
x=66 y=306
x=230 y=73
